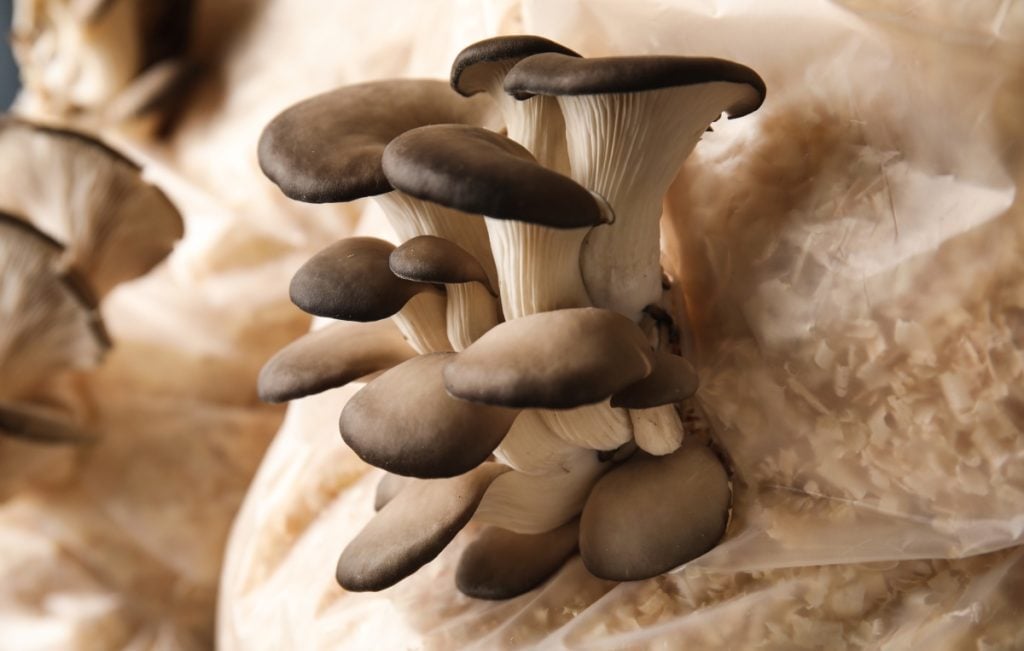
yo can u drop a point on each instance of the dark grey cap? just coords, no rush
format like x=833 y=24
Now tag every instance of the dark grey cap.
x=482 y=172
x=652 y=514
x=673 y=379
x=351 y=280
x=558 y=74
x=405 y=422
x=331 y=357
x=328 y=148
x=553 y=360
x=431 y=259
x=412 y=529
x=473 y=65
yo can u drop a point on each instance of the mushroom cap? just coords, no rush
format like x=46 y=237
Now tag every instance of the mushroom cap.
x=412 y=529
x=406 y=423
x=39 y=425
x=502 y=564
x=474 y=65
x=652 y=514
x=431 y=259
x=388 y=488
x=557 y=74
x=331 y=357
x=328 y=148
x=82 y=193
x=553 y=360
x=351 y=280
x=482 y=172
x=673 y=379
x=50 y=325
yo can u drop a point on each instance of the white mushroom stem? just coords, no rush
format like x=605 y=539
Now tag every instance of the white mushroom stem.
x=537 y=503
x=596 y=427
x=472 y=311
x=535 y=123
x=422 y=322
x=538 y=267
x=658 y=430
x=532 y=448
x=627 y=148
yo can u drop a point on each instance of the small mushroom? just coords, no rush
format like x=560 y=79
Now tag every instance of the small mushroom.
x=657 y=430
x=331 y=357
x=472 y=308
x=630 y=123
x=672 y=380
x=536 y=218
x=406 y=423
x=652 y=514
x=351 y=280
x=50 y=324
x=535 y=123
x=553 y=360
x=80 y=192
x=530 y=503
x=412 y=529
x=502 y=564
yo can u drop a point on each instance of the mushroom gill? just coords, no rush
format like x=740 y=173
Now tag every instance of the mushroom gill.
x=557 y=419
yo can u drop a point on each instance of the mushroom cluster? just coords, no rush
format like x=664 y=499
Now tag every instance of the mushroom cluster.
x=76 y=219
x=530 y=377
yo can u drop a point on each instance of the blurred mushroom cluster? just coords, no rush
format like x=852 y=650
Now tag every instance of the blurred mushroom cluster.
x=524 y=370
x=76 y=219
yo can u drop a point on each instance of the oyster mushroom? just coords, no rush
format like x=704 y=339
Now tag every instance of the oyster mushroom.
x=685 y=507
x=50 y=322
x=406 y=423
x=93 y=200
x=351 y=280
x=331 y=357
x=478 y=171
x=502 y=564
x=412 y=529
x=630 y=123
x=472 y=307
x=536 y=123
x=553 y=360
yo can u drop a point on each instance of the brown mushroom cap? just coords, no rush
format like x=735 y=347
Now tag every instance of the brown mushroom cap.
x=93 y=200
x=501 y=564
x=558 y=74
x=412 y=529
x=431 y=259
x=351 y=280
x=673 y=379
x=553 y=360
x=482 y=172
x=331 y=357
x=652 y=514
x=474 y=66
x=328 y=148
x=406 y=423
x=39 y=425
x=49 y=324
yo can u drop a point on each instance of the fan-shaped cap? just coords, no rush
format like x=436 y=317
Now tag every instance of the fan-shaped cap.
x=502 y=564
x=475 y=65
x=412 y=529
x=331 y=357
x=328 y=148
x=351 y=280
x=114 y=226
x=482 y=172
x=652 y=514
x=406 y=423
x=558 y=74
x=430 y=259
x=553 y=360
x=673 y=379
x=50 y=324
